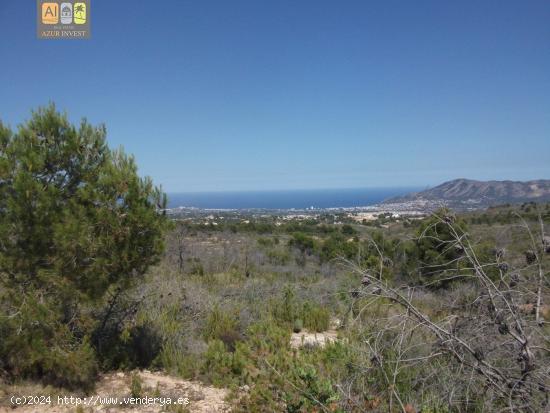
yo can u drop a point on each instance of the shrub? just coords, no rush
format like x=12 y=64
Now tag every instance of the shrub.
x=278 y=257
x=338 y=246
x=316 y=317
x=314 y=389
x=348 y=230
x=304 y=243
x=283 y=380
x=223 y=326
x=133 y=346
x=298 y=325
x=136 y=385
x=285 y=309
x=222 y=367
x=435 y=255
x=37 y=344
x=288 y=309
x=195 y=266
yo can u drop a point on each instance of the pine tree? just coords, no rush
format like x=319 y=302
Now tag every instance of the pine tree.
x=76 y=221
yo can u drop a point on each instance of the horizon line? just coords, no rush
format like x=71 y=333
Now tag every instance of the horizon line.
x=299 y=189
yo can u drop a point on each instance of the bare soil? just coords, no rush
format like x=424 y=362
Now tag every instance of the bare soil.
x=202 y=398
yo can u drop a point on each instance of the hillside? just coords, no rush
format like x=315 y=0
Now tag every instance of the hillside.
x=462 y=192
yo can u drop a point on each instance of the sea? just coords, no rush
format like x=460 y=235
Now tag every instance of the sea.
x=286 y=199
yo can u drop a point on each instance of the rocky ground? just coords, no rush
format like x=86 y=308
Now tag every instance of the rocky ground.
x=141 y=391
x=312 y=339
x=113 y=393
x=306 y=338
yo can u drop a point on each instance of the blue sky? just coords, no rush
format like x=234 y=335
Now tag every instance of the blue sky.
x=285 y=94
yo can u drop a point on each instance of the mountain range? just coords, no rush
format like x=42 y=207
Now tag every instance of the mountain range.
x=468 y=192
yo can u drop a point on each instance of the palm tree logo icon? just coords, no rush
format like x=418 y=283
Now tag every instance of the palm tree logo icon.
x=80 y=13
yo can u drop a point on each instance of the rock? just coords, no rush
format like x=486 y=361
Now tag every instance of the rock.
x=307 y=339
x=335 y=323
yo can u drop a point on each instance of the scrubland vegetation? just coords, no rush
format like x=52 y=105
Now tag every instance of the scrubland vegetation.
x=444 y=314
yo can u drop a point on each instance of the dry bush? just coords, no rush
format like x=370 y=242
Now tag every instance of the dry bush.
x=483 y=347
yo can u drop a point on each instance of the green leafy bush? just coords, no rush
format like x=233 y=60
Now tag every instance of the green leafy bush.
x=283 y=380
x=338 y=245
x=303 y=242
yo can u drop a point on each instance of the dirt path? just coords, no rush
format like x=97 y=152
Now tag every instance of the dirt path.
x=201 y=398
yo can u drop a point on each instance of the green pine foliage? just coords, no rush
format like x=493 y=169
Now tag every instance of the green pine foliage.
x=437 y=252
x=77 y=226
